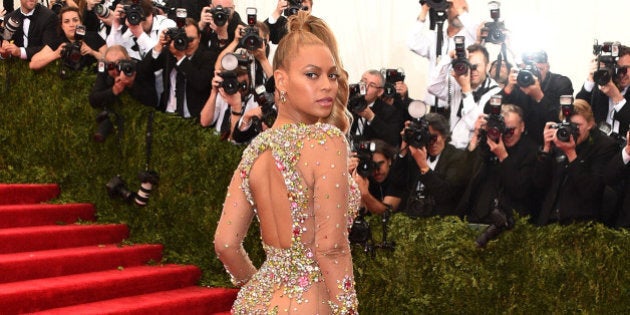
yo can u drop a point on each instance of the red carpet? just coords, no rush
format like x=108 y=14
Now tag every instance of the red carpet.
x=51 y=265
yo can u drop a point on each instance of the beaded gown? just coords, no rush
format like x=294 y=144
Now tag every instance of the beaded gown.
x=308 y=266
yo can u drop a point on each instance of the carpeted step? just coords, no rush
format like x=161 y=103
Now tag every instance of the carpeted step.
x=43 y=294
x=27 y=193
x=67 y=261
x=24 y=239
x=44 y=214
x=189 y=301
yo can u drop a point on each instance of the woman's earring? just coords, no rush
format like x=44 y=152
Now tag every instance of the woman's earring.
x=283 y=96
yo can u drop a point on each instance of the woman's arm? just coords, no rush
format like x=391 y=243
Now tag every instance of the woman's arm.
x=45 y=56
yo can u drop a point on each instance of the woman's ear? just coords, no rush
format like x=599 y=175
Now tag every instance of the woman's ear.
x=280 y=78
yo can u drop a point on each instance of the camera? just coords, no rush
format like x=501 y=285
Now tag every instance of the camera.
x=529 y=72
x=250 y=39
x=356 y=101
x=566 y=128
x=220 y=15
x=494 y=32
x=58 y=5
x=103 y=9
x=607 y=54
x=438 y=5
x=117 y=187
x=364 y=150
x=10 y=27
x=294 y=7
x=391 y=77
x=266 y=101
x=230 y=62
x=128 y=67
x=148 y=180
x=104 y=126
x=460 y=64
x=495 y=127
x=178 y=34
x=417 y=133
x=134 y=14
x=71 y=53
x=499 y=223
x=230 y=83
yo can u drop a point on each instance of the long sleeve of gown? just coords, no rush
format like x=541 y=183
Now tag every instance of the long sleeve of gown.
x=232 y=228
x=331 y=203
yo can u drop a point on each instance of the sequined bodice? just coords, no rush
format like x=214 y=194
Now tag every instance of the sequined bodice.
x=293 y=270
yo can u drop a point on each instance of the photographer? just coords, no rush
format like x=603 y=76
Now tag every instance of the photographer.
x=502 y=162
x=218 y=23
x=120 y=74
x=618 y=175
x=375 y=119
x=470 y=91
x=225 y=107
x=38 y=28
x=537 y=91
x=277 y=21
x=78 y=51
x=425 y=43
x=435 y=175
x=187 y=70
x=380 y=189
x=609 y=100
x=135 y=27
x=570 y=168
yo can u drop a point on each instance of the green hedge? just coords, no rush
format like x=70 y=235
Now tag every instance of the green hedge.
x=46 y=125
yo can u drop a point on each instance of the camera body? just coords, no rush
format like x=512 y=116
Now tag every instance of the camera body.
x=494 y=32
x=230 y=83
x=417 y=133
x=178 y=34
x=438 y=5
x=495 y=126
x=607 y=54
x=527 y=75
x=566 y=128
x=391 y=77
x=104 y=126
x=356 y=101
x=365 y=150
x=250 y=39
x=128 y=67
x=220 y=15
x=58 y=5
x=71 y=53
x=230 y=62
x=294 y=7
x=499 y=223
x=460 y=64
x=266 y=101
x=134 y=14
x=10 y=27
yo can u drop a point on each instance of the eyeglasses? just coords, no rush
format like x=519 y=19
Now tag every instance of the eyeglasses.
x=509 y=132
x=374 y=86
x=623 y=70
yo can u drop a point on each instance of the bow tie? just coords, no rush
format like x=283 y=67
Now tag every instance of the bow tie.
x=26 y=16
x=432 y=158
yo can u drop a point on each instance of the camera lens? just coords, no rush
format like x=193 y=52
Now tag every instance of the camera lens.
x=525 y=78
x=602 y=77
x=101 y=10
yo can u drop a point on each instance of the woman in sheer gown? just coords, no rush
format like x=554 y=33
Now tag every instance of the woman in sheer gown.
x=294 y=179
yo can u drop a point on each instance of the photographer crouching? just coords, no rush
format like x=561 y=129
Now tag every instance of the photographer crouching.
x=435 y=176
x=119 y=73
x=571 y=166
x=502 y=162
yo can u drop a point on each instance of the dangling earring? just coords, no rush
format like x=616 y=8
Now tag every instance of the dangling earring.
x=283 y=96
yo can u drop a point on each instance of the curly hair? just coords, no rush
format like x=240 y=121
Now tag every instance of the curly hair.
x=305 y=29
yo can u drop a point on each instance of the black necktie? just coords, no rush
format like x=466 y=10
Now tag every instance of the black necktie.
x=226 y=124
x=180 y=92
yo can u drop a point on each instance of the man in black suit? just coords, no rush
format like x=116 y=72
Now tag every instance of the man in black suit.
x=610 y=101
x=187 y=71
x=215 y=37
x=501 y=170
x=277 y=22
x=618 y=176
x=377 y=120
x=114 y=80
x=40 y=26
x=571 y=171
x=435 y=176
x=540 y=100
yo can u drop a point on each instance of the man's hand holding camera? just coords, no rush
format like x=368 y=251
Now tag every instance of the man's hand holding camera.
x=480 y=124
x=118 y=15
x=234 y=100
x=497 y=148
x=420 y=156
x=280 y=7
x=122 y=81
x=550 y=136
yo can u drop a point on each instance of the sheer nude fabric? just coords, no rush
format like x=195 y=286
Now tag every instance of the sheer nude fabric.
x=295 y=180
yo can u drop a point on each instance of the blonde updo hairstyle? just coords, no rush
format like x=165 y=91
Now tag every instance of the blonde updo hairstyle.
x=305 y=29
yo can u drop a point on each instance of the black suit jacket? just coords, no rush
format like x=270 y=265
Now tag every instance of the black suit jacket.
x=445 y=184
x=143 y=88
x=599 y=104
x=198 y=70
x=536 y=115
x=386 y=125
x=573 y=191
x=42 y=30
x=511 y=181
x=278 y=29
x=617 y=176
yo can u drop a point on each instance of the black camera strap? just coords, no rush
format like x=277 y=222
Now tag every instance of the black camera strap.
x=149 y=139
